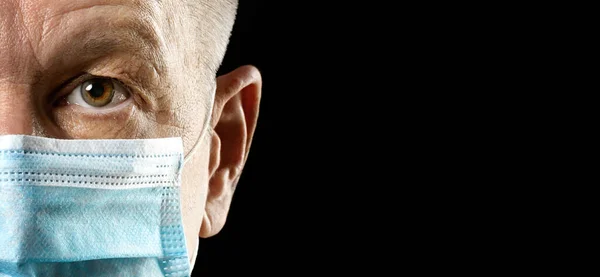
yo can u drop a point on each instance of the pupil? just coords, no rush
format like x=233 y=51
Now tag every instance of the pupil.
x=95 y=89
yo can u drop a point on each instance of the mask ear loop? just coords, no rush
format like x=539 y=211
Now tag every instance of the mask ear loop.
x=207 y=119
x=187 y=157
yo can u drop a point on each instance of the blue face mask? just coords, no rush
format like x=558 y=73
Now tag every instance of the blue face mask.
x=91 y=207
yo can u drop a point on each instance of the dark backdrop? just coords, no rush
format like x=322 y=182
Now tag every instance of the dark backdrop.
x=262 y=230
x=295 y=210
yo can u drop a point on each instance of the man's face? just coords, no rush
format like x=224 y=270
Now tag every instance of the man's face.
x=108 y=69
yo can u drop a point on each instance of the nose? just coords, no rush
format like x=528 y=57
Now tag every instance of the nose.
x=15 y=110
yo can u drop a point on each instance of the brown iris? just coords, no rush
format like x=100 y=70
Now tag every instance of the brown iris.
x=98 y=92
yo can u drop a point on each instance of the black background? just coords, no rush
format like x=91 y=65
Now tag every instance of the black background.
x=294 y=209
x=361 y=153
x=268 y=225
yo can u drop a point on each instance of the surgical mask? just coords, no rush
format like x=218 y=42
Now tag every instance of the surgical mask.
x=92 y=207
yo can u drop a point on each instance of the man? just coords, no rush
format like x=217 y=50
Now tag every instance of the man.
x=134 y=69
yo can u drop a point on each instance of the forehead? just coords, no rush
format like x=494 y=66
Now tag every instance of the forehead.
x=59 y=7
x=36 y=32
x=45 y=13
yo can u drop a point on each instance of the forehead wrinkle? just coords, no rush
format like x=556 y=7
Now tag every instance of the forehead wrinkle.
x=125 y=31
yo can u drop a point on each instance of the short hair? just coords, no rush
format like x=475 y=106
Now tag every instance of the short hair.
x=207 y=26
x=215 y=28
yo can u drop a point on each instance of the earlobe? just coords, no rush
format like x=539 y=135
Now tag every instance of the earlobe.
x=234 y=118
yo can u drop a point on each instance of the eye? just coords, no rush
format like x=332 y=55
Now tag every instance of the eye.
x=97 y=93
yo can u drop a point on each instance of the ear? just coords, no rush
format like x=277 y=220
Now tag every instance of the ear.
x=234 y=119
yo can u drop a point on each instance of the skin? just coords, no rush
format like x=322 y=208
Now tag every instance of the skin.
x=49 y=47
